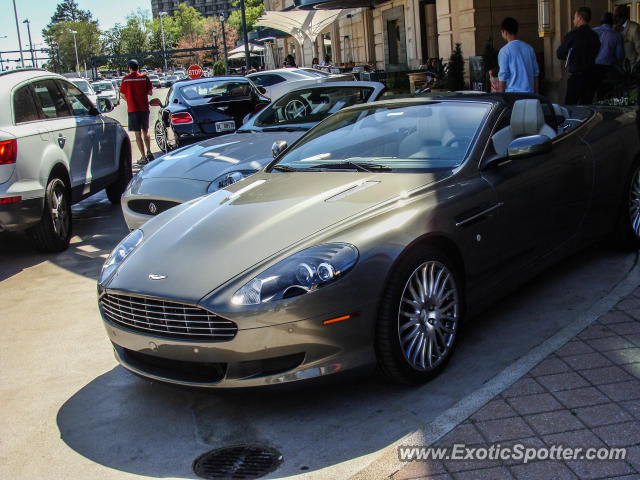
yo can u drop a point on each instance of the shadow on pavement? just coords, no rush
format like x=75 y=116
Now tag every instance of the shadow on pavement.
x=98 y=226
x=136 y=426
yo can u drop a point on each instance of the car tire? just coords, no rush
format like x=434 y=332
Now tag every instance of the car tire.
x=53 y=232
x=117 y=188
x=628 y=231
x=416 y=331
x=160 y=132
x=297 y=107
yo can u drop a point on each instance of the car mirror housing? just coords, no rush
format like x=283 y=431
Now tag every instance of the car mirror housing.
x=104 y=105
x=154 y=102
x=525 y=147
x=262 y=90
x=278 y=147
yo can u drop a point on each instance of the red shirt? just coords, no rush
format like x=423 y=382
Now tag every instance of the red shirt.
x=135 y=88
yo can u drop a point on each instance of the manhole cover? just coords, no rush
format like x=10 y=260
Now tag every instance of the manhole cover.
x=240 y=461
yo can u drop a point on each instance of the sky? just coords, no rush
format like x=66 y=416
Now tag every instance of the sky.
x=39 y=12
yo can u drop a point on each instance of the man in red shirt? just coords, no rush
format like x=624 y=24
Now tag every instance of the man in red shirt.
x=135 y=88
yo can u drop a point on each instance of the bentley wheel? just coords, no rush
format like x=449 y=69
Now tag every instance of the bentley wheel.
x=53 y=232
x=161 y=136
x=420 y=318
x=628 y=231
x=296 y=108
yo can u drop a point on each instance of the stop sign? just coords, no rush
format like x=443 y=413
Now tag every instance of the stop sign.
x=194 y=71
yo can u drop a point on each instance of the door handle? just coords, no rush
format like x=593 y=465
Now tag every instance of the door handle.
x=61 y=140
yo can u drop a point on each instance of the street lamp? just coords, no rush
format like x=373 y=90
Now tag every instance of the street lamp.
x=224 y=44
x=245 y=37
x=33 y=61
x=164 y=52
x=15 y=11
x=75 y=45
x=215 y=44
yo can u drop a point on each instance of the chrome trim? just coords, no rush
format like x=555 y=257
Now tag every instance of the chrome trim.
x=480 y=214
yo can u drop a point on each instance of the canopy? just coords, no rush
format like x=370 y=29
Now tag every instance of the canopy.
x=241 y=55
x=299 y=24
x=252 y=48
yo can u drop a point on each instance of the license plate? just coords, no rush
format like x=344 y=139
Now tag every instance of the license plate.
x=225 y=126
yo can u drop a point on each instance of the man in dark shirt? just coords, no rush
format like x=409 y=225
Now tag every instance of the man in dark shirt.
x=579 y=49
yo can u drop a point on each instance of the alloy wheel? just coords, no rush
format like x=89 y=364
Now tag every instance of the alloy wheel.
x=59 y=211
x=428 y=316
x=161 y=136
x=634 y=203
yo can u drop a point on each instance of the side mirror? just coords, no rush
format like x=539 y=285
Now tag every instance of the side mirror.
x=524 y=147
x=104 y=105
x=154 y=102
x=278 y=147
x=262 y=90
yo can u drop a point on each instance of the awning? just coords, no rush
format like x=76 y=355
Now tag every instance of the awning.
x=241 y=55
x=334 y=4
x=252 y=48
x=299 y=24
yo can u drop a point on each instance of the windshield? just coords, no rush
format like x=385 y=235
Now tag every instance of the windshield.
x=313 y=72
x=400 y=137
x=310 y=105
x=101 y=87
x=83 y=86
x=214 y=90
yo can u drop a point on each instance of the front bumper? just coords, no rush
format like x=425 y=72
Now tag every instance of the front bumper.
x=259 y=356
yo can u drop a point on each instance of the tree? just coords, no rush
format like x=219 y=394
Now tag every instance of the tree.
x=112 y=45
x=68 y=11
x=253 y=11
x=134 y=34
x=189 y=21
x=455 y=70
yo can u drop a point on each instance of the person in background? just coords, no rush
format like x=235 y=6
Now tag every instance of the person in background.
x=289 y=62
x=517 y=61
x=579 y=49
x=135 y=89
x=630 y=31
x=611 y=51
x=315 y=63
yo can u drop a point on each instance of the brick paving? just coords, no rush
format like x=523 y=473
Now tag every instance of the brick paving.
x=585 y=394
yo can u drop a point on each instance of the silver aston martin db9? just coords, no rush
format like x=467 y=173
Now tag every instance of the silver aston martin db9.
x=370 y=239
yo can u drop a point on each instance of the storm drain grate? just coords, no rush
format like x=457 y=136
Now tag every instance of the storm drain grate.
x=239 y=462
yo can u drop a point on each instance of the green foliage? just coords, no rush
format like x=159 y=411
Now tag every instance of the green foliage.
x=490 y=56
x=253 y=11
x=218 y=68
x=455 y=70
x=68 y=11
x=134 y=37
x=625 y=78
x=188 y=21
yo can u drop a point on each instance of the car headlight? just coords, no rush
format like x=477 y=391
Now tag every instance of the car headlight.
x=122 y=251
x=228 y=178
x=301 y=273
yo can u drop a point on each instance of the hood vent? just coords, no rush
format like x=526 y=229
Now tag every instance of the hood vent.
x=352 y=190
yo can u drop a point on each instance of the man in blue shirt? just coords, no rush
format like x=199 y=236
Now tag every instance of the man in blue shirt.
x=611 y=51
x=519 y=69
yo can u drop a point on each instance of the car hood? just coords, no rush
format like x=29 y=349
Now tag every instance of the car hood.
x=219 y=236
x=211 y=158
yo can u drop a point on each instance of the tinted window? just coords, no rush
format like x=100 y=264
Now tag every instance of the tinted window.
x=216 y=90
x=24 y=105
x=84 y=86
x=409 y=137
x=312 y=105
x=51 y=99
x=80 y=104
x=102 y=87
x=266 y=80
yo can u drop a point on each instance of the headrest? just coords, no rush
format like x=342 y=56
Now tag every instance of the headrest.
x=432 y=126
x=526 y=117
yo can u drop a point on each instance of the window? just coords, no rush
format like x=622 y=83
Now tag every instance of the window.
x=51 y=99
x=216 y=90
x=24 y=105
x=267 y=80
x=80 y=104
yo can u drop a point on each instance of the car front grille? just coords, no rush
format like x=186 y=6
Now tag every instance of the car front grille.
x=151 y=207
x=165 y=318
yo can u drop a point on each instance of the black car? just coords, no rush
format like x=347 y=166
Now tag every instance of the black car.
x=198 y=109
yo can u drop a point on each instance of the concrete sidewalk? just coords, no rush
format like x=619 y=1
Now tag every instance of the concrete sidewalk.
x=585 y=394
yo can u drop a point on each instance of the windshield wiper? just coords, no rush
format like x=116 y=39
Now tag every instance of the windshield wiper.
x=359 y=166
x=285 y=168
x=285 y=129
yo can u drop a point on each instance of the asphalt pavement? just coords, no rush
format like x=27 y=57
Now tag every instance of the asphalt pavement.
x=70 y=412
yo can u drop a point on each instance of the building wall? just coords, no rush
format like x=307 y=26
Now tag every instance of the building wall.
x=207 y=8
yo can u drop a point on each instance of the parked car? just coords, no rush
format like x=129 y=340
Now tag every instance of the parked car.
x=106 y=89
x=86 y=88
x=163 y=81
x=207 y=166
x=278 y=82
x=207 y=107
x=154 y=79
x=56 y=148
x=370 y=239
x=171 y=79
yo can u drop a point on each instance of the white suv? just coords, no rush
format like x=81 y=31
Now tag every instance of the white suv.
x=56 y=148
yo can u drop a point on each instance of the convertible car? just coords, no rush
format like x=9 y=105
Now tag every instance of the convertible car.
x=372 y=238
x=202 y=168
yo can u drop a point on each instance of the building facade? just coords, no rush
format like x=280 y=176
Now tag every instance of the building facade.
x=401 y=35
x=208 y=8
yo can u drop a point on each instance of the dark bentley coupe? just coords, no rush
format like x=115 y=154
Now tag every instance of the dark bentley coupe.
x=207 y=107
x=372 y=238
